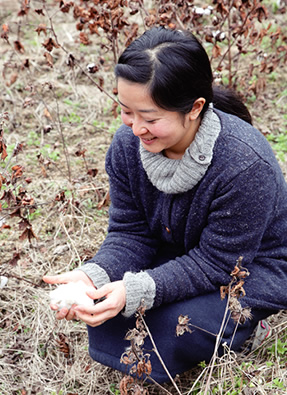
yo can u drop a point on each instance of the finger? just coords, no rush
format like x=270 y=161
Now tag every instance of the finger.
x=71 y=314
x=93 y=325
x=96 y=309
x=92 y=320
x=98 y=293
x=59 y=279
x=54 y=307
x=61 y=314
x=93 y=293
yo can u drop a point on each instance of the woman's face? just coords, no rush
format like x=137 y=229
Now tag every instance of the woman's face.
x=158 y=129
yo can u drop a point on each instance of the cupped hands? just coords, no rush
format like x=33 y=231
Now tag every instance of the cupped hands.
x=114 y=295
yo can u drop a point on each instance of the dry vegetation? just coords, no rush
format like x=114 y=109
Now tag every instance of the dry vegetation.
x=63 y=125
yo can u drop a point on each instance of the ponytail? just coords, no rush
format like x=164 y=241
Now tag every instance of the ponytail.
x=227 y=100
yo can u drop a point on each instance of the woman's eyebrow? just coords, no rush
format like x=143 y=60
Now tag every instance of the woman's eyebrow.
x=122 y=104
x=146 y=110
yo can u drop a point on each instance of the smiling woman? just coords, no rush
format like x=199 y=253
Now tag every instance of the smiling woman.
x=193 y=186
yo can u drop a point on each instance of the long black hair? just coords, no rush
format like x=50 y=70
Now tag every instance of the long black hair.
x=177 y=70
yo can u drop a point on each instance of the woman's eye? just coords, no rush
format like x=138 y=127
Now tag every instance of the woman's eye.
x=151 y=121
x=125 y=112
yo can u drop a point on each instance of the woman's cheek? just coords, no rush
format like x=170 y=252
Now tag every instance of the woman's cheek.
x=157 y=130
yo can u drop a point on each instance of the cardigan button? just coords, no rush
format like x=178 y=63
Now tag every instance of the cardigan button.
x=201 y=157
x=167 y=229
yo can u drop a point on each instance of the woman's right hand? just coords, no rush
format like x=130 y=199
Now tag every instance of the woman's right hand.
x=64 y=278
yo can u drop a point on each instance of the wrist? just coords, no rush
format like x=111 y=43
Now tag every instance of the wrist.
x=139 y=288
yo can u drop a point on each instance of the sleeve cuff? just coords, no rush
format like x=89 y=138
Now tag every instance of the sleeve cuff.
x=98 y=275
x=140 y=287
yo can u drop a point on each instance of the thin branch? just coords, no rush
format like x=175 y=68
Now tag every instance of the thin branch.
x=158 y=355
x=72 y=242
x=203 y=330
x=229 y=50
x=218 y=339
x=230 y=44
x=9 y=275
x=60 y=130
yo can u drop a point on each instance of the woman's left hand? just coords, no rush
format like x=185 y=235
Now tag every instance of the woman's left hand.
x=115 y=294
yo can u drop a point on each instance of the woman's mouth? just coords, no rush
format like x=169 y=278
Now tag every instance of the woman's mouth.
x=148 y=141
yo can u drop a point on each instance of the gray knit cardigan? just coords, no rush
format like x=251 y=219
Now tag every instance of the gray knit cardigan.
x=237 y=207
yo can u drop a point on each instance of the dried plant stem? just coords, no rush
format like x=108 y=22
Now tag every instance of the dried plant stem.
x=13 y=153
x=203 y=330
x=232 y=43
x=114 y=41
x=218 y=338
x=160 y=386
x=158 y=354
x=10 y=275
x=196 y=381
x=60 y=130
x=235 y=329
x=229 y=51
x=72 y=242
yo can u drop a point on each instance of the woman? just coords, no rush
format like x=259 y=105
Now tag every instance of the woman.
x=193 y=186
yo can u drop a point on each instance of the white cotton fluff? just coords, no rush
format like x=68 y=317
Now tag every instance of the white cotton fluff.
x=66 y=295
x=3 y=281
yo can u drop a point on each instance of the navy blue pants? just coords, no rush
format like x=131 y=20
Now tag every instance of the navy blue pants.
x=106 y=342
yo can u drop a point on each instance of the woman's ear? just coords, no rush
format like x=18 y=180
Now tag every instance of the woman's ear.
x=197 y=108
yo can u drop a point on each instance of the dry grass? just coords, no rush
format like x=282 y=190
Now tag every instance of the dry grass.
x=70 y=232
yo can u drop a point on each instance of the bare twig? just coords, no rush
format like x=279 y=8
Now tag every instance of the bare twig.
x=158 y=354
x=11 y=275
x=218 y=339
x=60 y=130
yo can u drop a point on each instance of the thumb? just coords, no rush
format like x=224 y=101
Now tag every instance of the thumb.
x=97 y=294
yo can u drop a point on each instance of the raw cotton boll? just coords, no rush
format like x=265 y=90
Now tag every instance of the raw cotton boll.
x=72 y=293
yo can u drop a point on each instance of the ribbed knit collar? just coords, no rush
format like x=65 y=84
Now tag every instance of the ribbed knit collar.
x=180 y=175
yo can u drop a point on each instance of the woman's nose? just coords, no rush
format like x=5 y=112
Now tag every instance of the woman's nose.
x=138 y=128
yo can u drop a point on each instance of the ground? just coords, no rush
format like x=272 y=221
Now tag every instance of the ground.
x=65 y=125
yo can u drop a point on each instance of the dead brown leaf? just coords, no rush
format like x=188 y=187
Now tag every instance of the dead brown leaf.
x=40 y=12
x=183 y=325
x=28 y=234
x=84 y=39
x=47 y=114
x=8 y=196
x=105 y=202
x=13 y=79
x=41 y=28
x=18 y=46
x=5 y=31
x=92 y=172
x=3 y=151
x=49 y=58
x=49 y=44
x=216 y=51
x=15 y=259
